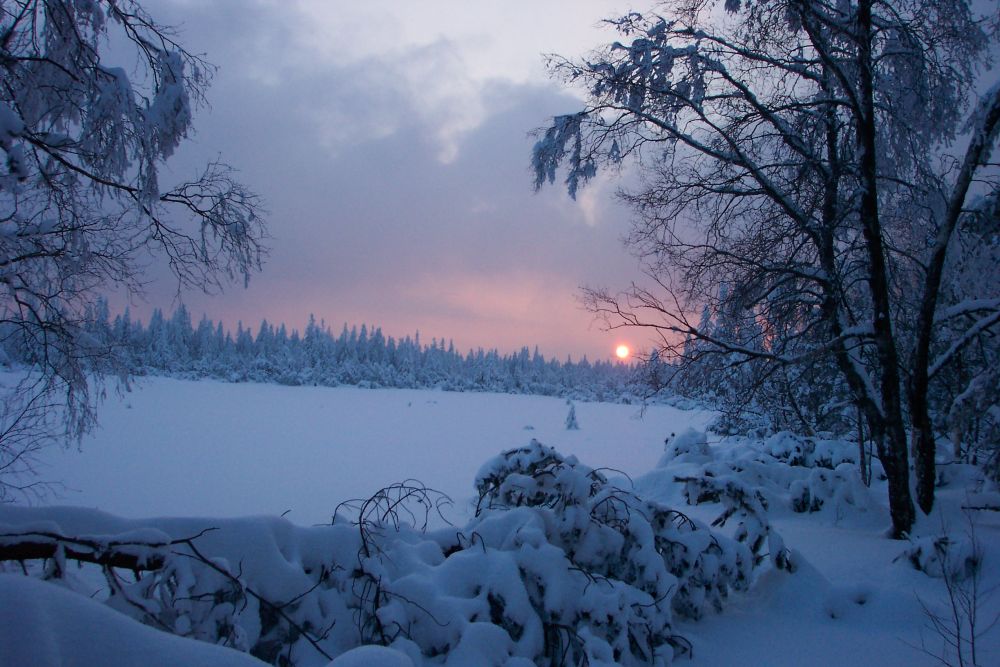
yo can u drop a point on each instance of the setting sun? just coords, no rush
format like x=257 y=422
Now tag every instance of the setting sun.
x=622 y=352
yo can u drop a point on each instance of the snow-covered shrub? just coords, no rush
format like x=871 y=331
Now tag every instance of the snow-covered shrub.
x=690 y=445
x=611 y=533
x=558 y=567
x=841 y=487
x=185 y=599
x=748 y=505
x=809 y=452
x=817 y=473
x=746 y=475
x=955 y=558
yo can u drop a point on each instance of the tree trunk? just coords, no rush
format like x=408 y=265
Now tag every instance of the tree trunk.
x=893 y=450
x=924 y=445
x=892 y=453
x=919 y=386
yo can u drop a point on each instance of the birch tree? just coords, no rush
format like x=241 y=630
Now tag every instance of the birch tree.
x=800 y=153
x=82 y=203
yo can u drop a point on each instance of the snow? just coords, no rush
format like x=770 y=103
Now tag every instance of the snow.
x=208 y=448
x=852 y=605
x=855 y=598
x=549 y=540
x=372 y=656
x=44 y=625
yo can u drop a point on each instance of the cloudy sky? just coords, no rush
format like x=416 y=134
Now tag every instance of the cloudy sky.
x=391 y=142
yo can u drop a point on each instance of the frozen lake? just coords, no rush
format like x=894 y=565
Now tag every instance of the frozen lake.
x=206 y=448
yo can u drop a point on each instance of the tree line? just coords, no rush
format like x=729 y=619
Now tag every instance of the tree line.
x=360 y=356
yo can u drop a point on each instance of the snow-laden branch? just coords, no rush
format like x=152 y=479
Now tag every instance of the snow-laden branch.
x=980 y=326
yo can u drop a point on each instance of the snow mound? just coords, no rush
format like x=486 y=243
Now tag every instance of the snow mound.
x=372 y=656
x=691 y=445
x=43 y=625
x=954 y=557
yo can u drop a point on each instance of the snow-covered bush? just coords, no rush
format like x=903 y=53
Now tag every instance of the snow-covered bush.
x=955 y=558
x=748 y=505
x=809 y=452
x=280 y=592
x=689 y=445
x=841 y=487
x=748 y=475
x=611 y=533
x=816 y=472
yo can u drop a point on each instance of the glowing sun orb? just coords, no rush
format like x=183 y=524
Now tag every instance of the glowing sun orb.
x=622 y=352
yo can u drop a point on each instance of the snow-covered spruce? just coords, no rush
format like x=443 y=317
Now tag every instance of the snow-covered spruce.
x=571 y=423
x=558 y=567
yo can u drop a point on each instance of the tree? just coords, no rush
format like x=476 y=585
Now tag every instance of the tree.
x=571 y=423
x=81 y=201
x=797 y=152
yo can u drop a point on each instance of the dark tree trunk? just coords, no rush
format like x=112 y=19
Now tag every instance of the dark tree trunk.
x=892 y=450
x=924 y=452
x=925 y=447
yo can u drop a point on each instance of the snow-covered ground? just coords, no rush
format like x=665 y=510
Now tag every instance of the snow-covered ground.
x=858 y=602
x=208 y=449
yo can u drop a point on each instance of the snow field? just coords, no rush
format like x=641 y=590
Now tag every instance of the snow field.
x=207 y=448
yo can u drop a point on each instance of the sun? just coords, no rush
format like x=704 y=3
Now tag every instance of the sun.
x=622 y=352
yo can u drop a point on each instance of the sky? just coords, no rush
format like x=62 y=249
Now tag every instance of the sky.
x=391 y=143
